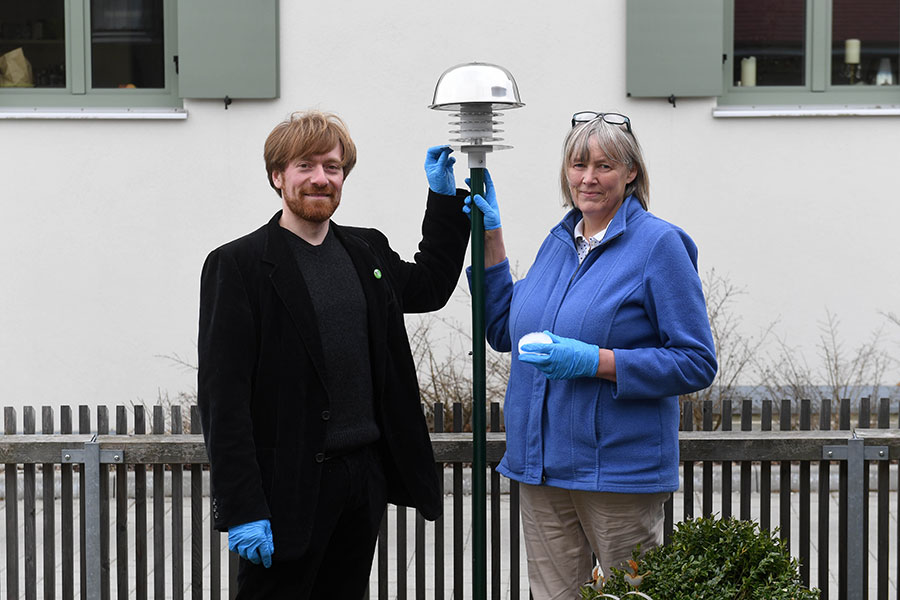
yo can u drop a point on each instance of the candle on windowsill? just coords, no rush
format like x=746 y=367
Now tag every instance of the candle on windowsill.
x=748 y=71
x=851 y=51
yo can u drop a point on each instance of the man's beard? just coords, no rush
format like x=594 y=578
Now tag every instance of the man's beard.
x=314 y=211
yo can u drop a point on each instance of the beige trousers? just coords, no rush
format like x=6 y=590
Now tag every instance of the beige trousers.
x=562 y=527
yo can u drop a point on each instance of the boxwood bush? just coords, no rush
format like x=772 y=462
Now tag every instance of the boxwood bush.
x=713 y=559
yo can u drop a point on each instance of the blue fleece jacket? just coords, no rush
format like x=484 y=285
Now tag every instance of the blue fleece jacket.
x=639 y=294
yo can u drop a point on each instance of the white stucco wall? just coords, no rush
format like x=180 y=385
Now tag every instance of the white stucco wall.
x=104 y=225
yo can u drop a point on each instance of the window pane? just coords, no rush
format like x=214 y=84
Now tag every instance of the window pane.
x=127 y=44
x=769 y=42
x=865 y=37
x=38 y=28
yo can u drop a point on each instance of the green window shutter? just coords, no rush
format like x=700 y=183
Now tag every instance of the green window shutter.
x=228 y=48
x=674 y=47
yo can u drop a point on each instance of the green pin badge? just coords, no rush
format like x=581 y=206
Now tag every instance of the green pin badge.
x=377 y=273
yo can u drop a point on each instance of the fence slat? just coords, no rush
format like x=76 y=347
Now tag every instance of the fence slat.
x=177 y=480
x=84 y=426
x=11 y=471
x=457 y=511
x=233 y=563
x=197 y=518
x=805 y=516
x=765 y=473
x=707 y=407
x=687 y=424
x=439 y=523
x=159 y=514
x=48 y=471
x=383 y=559
x=746 y=466
x=727 y=415
x=142 y=590
x=824 y=502
x=669 y=519
x=420 y=551
x=121 y=513
x=29 y=504
x=420 y=556
x=401 y=552
x=784 y=480
x=514 y=574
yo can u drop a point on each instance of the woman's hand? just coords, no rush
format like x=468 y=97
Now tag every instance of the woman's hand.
x=565 y=358
x=439 y=170
x=487 y=204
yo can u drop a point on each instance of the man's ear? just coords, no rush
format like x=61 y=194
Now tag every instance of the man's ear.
x=278 y=179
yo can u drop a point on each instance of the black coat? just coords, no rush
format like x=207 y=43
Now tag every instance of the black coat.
x=261 y=385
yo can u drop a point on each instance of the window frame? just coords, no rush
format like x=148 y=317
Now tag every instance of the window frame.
x=78 y=94
x=818 y=90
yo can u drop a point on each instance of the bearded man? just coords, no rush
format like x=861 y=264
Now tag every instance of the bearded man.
x=306 y=384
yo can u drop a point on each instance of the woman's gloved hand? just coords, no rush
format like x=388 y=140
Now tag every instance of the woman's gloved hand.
x=487 y=205
x=439 y=170
x=565 y=358
x=253 y=542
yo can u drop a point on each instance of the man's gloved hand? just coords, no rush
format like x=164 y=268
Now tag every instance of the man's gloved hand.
x=565 y=358
x=487 y=205
x=439 y=170
x=253 y=542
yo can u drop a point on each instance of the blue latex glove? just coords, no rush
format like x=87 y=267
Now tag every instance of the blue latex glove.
x=253 y=542
x=439 y=170
x=565 y=358
x=487 y=205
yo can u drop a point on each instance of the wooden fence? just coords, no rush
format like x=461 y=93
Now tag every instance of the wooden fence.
x=108 y=526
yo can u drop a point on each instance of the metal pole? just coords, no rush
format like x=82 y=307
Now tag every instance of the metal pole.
x=855 y=453
x=479 y=437
x=856 y=579
x=92 y=518
x=96 y=569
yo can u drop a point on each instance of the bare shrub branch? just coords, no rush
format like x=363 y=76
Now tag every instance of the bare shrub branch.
x=736 y=353
x=840 y=374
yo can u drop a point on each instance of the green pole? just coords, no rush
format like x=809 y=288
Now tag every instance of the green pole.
x=479 y=437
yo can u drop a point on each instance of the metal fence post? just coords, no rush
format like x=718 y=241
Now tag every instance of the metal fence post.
x=92 y=518
x=856 y=579
x=856 y=453
x=91 y=457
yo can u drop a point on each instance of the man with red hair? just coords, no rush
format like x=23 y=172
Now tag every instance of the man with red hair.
x=306 y=385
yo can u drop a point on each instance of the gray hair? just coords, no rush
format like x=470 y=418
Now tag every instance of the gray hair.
x=617 y=144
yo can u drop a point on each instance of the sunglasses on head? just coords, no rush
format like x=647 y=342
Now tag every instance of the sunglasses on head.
x=586 y=116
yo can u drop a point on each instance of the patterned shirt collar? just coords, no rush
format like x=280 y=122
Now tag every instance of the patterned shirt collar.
x=585 y=245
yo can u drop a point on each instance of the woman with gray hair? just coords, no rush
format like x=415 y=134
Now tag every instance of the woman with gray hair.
x=592 y=410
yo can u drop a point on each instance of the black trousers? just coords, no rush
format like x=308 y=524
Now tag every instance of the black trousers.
x=352 y=501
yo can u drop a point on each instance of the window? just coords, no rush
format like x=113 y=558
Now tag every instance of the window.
x=769 y=43
x=127 y=44
x=865 y=42
x=815 y=56
x=812 y=52
x=72 y=55
x=37 y=32
x=96 y=53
